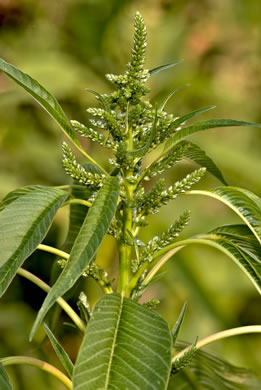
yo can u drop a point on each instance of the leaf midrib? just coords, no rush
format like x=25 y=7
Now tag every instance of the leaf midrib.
x=114 y=343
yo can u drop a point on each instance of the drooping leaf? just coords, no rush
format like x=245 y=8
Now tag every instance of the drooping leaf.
x=13 y=195
x=193 y=152
x=242 y=202
x=205 y=125
x=60 y=352
x=163 y=67
x=23 y=225
x=4 y=380
x=86 y=244
x=242 y=237
x=42 y=96
x=206 y=371
x=125 y=346
x=248 y=265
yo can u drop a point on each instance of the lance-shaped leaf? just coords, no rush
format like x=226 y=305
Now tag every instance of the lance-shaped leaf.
x=77 y=215
x=13 y=195
x=42 y=96
x=179 y=121
x=163 y=67
x=242 y=202
x=86 y=244
x=249 y=266
x=125 y=346
x=4 y=380
x=23 y=225
x=60 y=352
x=176 y=328
x=205 y=125
x=206 y=371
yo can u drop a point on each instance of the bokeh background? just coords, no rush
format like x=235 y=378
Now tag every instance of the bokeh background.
x=68 y=46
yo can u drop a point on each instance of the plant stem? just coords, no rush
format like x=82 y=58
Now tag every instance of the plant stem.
x=219 y=336
x=125 y=251
x=10 y=360
x=54 y=251
x=78 y=201
x=64 y=305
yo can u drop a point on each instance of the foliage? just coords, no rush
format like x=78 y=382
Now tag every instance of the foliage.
x=125 y=343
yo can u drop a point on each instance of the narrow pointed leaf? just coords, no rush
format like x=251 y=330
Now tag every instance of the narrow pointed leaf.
x=179 y=121
x=86 y=244
x=206 y=371
x=205 y=125
x=176 y=329
x=42 y=96
x=4 y=380
x=163 y=67
x=195 y=153
x=13 y=195
x=60 y=352
x=242 y=202
x=125 y=346
x=23 y=225
x=162 y=106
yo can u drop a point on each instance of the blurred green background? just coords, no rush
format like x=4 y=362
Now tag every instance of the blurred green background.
x=68 y=46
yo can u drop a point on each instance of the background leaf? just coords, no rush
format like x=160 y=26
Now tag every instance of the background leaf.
x=23 y=225
x=4 y=380
x=125 y=345
x=86 y=244
x=207 y=371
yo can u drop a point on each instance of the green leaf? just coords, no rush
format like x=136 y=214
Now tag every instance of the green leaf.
x=4 y=380
x=242 y=202
x=13 y=195
x=77 y=214
x=23 y=225
x=163 y=67
x=42 y=96
x=86 y=244
x=179 y=121
x=162 y=106
x=176 y=329
x=195 y=153
x=242 y=237
x=206 y=371
x=125 y=346
x=60 y=352
x=242 y=259
x=205 y=125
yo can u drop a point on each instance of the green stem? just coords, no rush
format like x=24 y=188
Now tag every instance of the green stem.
x=64 y=305
x=54 y=251
x=78 y=201
x=8 y=361
x=219 y=336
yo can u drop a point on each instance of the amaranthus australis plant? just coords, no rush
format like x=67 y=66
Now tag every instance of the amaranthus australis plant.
x=126 y=345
